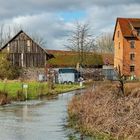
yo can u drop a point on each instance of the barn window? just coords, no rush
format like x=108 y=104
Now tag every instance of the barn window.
x=28 y=43
x=22 y=46
x=138 y=31
x=28 y=48
x=8 y=49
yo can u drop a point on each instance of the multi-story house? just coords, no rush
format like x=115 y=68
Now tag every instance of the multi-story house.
x=127 y=46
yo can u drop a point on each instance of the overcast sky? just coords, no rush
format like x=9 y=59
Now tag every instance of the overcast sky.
x=54 y=19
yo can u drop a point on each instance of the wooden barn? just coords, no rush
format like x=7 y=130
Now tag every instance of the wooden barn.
x=25 y=52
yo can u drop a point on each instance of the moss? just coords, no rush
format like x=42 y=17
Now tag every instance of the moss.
x=62 y=60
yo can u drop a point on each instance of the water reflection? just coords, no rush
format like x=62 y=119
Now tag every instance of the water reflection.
x=37 y=120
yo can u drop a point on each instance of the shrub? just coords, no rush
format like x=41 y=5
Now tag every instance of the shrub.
x=7 y=70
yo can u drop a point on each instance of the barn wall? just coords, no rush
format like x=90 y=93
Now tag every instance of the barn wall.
x=24 y=52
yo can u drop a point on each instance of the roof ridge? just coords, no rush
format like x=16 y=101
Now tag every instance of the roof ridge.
x=21 y=31
x=128 y=26
x=127 y=18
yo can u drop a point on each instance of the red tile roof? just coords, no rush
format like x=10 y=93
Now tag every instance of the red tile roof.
x=127 y=25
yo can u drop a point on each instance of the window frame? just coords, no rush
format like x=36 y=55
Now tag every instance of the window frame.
x=119 y=45
x=28 y=42
x=132 y=68
x=118 y=34
x=132 y=44
x=132 y=56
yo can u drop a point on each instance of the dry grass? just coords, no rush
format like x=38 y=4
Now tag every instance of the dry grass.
x=103 y=112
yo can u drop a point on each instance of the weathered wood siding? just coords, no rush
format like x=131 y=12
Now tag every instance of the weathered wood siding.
x=24 y=52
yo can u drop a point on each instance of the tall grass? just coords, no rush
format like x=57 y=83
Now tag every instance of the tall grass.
x=103 y=113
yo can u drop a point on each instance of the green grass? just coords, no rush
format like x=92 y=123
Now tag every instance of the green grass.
x=71 y=60
x=35 y=89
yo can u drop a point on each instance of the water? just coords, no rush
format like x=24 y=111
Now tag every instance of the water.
x=37 y=120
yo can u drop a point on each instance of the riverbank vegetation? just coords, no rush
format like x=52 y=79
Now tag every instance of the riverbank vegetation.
x=103 y=112
x=7 y=69
x=15 y=90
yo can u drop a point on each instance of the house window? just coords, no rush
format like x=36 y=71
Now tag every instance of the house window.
x=132 y=43
x=119 y=45
x=132 y=68
x=118 y=33
x=132 y=56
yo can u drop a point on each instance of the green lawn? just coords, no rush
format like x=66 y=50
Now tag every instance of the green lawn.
x=34 y=90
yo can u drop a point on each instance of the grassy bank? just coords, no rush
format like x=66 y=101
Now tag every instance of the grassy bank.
x=15 y=90
x=104 y=114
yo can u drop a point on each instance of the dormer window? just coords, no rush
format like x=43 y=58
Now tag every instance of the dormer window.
x=138 y=32
x=132 y=43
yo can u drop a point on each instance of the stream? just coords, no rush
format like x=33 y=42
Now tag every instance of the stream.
x=43 y=119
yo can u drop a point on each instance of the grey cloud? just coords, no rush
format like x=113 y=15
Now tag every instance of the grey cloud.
x=51 y=27
x=17 y=7
x=42 y=17
x=103 y=19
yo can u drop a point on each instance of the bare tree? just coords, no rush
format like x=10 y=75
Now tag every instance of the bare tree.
x=81 y=41
x=7 y=32
x=38 y=39
x=124 y=74
x=4 y=35
x=121 y=79
x=1 y=35
x=105 y=43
